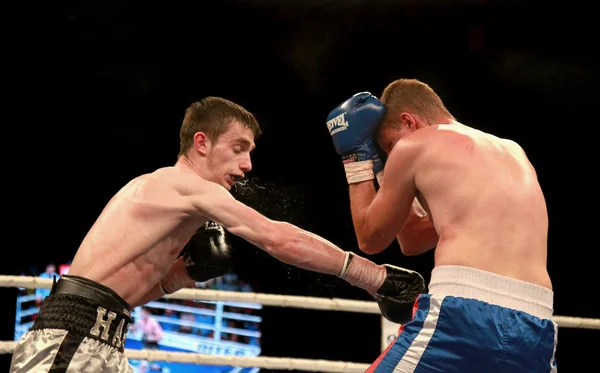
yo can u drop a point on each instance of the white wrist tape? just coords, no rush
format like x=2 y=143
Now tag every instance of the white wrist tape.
x=418 y=208
x=380 y=178
x=160 y=285
x=347 y=259
x=359 y=171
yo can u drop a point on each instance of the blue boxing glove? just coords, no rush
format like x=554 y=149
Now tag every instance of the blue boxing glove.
x=351 y=126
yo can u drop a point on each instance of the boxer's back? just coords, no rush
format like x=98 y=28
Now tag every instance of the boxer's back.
x=486 y=203
x=139 y=233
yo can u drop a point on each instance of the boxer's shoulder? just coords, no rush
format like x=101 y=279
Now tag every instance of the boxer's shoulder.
x=168 y=180
x=175 y=189
x=163 y=187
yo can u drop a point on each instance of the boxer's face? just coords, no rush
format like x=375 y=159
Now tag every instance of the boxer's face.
x=229 y=156
x=394 y=128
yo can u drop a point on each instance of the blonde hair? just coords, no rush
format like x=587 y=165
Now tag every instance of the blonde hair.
x=414 y=96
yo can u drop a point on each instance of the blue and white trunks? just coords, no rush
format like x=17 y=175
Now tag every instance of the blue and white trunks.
x=475 y=321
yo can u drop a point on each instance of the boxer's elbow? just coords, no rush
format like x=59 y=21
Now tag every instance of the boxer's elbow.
x=363 y=239
x=368 y=249
x=370 y=245
x=408 y=248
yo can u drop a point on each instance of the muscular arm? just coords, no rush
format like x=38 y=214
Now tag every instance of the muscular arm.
x=418 y=234
x=361 y=196
x=379 y=217
x=285 y=242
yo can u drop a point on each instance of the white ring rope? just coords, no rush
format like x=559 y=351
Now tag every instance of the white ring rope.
x=326 y=304
x=275 y=363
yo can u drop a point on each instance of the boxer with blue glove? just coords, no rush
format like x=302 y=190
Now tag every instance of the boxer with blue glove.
x=351 y=126
x=474 y=198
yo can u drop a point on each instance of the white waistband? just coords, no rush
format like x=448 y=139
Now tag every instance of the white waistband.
x=466 y=282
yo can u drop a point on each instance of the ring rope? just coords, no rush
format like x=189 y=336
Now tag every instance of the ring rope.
x=325 y=304
x=275 y=363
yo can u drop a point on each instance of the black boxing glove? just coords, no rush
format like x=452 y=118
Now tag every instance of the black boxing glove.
x=396 y=296
x=208 y=254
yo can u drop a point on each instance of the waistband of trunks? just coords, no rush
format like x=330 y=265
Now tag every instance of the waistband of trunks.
x=92 y=290
x=85 y=309
x=473 y=283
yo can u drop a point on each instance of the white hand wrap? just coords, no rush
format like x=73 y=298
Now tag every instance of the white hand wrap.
x=359 y=171
x=363 y=273
x=380 y=178
x=418 y=208
x=160 y=285
x=345 y=266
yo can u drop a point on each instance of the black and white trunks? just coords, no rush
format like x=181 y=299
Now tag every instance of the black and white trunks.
x=81 y=327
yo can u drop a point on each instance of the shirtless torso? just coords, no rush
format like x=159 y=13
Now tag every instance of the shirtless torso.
x=476 y=200
x=483 y=196
x=485 y=207
x=139 y=234
x=131 y=254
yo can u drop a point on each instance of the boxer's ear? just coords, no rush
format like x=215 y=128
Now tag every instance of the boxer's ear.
x=201 y=143
x=408 y=120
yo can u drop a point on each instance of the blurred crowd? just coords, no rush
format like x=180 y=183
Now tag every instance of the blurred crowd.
x=228 y=282
x=50 y=271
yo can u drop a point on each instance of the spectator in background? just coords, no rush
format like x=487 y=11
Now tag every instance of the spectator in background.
x=152 y=333
x=250 y=325
x=151 y=330
x=203 y=319
x=253 y=341
x=245 y=287
x=23 y=291
x=187 y=316
x=170 y=326
x=40 y=294
x=63 y=269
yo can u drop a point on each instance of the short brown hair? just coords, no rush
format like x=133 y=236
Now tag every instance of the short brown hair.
x=212 y=115
x=414 y=96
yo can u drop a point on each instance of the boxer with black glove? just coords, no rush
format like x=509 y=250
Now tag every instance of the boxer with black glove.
x=206 y=255
x=397 y=295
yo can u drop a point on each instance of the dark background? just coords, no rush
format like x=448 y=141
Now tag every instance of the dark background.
x=106 y=85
